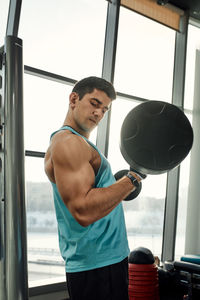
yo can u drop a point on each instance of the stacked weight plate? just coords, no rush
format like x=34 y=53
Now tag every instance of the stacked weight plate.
x=143 y=275
x=143 y=282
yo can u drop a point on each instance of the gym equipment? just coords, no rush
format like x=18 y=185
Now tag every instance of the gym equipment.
x=143 y=275
x=136 y=192
x=155 y=137
x=182 y=277
x=141 y=255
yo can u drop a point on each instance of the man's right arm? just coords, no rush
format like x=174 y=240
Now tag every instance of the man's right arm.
x=75 y=177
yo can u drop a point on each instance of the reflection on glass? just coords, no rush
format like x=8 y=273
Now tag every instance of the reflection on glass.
x=44 y=259
x=145 y=57
x=65 y=37
x=144 y=215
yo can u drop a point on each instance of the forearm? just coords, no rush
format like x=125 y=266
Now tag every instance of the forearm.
x=99 y=202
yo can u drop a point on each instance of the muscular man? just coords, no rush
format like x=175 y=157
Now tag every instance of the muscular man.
x=92 y=235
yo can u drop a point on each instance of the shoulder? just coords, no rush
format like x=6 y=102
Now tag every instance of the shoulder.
x=68 y=146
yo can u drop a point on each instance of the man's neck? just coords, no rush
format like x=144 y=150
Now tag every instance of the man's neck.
x=83 y=133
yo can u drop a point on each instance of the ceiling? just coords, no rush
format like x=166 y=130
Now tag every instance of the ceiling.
x=193 y=6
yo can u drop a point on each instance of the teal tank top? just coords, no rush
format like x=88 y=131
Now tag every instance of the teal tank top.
x=100 y=244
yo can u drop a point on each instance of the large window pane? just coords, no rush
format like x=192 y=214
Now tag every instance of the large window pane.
x=145 y=57
x=186 y=194
x=44 y=259
x=45 y=107
x=64 y=37
x=144 y=215
x=122 y=107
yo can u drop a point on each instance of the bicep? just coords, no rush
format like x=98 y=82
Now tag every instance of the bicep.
x=74 y=176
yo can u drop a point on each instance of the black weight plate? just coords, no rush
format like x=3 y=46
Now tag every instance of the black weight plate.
x=155 y=137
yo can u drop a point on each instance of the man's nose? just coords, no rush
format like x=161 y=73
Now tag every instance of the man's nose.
x=98 y=112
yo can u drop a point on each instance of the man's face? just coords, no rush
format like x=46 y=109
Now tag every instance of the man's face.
x=89 y=111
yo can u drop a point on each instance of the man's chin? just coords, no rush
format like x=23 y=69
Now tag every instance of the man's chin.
x=93 y=124
x=89 y=128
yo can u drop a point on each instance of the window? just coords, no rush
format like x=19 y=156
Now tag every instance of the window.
x=186 y=243
x=45 y=106
x=44 y=259
x=145 y=57
x=65 y=37
x=144 y=68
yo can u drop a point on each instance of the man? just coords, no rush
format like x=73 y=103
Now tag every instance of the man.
x=91 y=227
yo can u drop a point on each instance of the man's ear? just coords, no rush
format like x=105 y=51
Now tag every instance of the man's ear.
x=73 y=98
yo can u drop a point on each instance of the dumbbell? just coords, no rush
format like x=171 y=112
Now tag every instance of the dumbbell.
x=136 y=192
x=155 y=138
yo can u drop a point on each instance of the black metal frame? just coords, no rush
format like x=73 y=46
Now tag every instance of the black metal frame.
x=48 y=75
x=16 y=270
x=13 y=17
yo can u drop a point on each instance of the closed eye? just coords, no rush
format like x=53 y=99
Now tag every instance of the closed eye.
x=95 y=104
x=98 y=104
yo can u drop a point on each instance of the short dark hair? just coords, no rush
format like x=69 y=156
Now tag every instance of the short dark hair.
x=88 y=84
